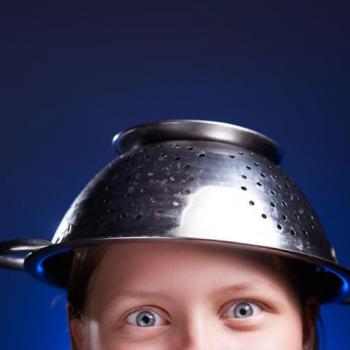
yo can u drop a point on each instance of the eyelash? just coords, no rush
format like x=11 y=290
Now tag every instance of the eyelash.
x=243 y=319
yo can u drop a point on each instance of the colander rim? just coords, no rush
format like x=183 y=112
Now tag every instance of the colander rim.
x=34 y=261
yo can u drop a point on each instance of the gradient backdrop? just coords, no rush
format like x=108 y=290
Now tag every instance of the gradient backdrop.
x=73 y=73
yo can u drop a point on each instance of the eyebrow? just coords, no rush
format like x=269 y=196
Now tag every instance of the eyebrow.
x=249 y=286
x=254 y=286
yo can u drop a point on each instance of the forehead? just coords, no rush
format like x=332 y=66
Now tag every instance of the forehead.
x=126 y=262
x=182 y=274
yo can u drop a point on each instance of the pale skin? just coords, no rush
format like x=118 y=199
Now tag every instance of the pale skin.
x=180 y=296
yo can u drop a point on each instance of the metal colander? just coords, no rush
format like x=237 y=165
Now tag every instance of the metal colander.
x=189 y=180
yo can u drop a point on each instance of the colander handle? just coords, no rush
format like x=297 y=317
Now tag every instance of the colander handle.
x=11 y=252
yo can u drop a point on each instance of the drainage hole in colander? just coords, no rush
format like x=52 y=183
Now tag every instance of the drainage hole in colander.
x=186 y=191
x=264 y=216
x=292 y=232
x=305 y=232
x=177 y=158
x=138 y=216
x=172 y=178
x=153 y=199
x=248 y=167
x=147 y=156
x=273 y=192
x=190 y=148
x=122 y=216
x=201 y=154
x=187 y=166
x=176 y=203
x=284 y=204
x=164 y=155
x=251 y=202
x=273 y=204
x=189 y=178
x=279 y=226
x=157 y=211
x=177 y=145
x=231 y=156
x=241 y=153
x=259 y=184
x=274 y=176
x=244 y=176
x=262 y=174
x=297 y=216
x=243 y=188
x=257 y=164
x=284 y=217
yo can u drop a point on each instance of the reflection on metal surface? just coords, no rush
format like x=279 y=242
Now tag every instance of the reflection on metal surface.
x=224 y=213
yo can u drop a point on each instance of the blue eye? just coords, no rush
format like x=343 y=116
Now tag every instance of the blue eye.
x=243 y=310
x=143 y=318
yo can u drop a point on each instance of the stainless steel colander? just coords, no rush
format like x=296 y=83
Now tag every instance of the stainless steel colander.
x=189 y=180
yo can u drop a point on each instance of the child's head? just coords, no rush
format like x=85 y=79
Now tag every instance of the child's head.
x=188 y=295
x=228 y=248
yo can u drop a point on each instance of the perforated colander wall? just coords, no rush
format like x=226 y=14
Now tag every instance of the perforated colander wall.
x=147 y=191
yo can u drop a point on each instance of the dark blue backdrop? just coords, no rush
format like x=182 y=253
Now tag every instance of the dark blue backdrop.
x=73 y=73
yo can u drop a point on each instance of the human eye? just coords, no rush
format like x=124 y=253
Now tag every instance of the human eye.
x=243 y=310
x=145 y=317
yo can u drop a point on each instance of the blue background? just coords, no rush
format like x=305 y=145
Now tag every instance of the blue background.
x=73 y=73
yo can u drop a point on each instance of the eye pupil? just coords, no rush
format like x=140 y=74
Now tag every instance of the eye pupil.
x=243 y=312
x=145 y=318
